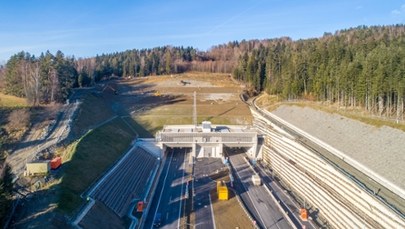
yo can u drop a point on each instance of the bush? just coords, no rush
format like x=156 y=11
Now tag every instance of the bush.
x=6 y=187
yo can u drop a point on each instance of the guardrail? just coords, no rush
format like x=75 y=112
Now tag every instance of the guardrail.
x=241 y=203
x=282 y=210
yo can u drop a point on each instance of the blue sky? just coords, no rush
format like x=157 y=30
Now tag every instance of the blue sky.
x=86 y=28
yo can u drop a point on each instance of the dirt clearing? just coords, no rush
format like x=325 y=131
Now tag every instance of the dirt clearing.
x=164 y=100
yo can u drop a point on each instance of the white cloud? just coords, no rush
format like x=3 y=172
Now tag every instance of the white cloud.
x=399 y=12
x=395 y=12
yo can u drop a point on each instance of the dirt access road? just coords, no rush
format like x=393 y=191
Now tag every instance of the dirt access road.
x=28 y=150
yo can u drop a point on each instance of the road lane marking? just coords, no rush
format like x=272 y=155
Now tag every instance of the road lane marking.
x=247 y=192
x=161 y=191
x=181 y=192
x=212 y=212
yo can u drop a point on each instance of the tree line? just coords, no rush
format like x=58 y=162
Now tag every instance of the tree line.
x=6 y=188
x=361 y=66
x=44 y=79
x=50 y=78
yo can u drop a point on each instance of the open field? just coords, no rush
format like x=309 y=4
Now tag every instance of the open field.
x=12 y=101
x=164 y=100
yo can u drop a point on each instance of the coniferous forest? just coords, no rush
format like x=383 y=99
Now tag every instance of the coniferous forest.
x=363 y=66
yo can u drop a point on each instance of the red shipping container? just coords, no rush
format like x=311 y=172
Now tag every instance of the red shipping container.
x=56 y=162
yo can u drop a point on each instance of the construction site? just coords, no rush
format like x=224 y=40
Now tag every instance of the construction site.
x=192 y=151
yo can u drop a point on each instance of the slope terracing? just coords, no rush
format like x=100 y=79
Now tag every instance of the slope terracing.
x=338 y=196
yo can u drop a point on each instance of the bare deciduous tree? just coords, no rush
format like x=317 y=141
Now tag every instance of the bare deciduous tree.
x=18 y=119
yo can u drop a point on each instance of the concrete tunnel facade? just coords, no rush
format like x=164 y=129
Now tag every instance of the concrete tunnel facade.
x=208 y=140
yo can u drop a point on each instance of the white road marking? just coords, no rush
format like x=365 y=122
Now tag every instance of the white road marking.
x=181 y=192
x=161 y=192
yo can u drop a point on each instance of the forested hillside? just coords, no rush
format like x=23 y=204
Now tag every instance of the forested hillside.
x=45 y=79
x=363 y=66
x=355 y=67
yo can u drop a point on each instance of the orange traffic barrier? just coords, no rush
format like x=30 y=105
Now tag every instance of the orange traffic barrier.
x=304 y=214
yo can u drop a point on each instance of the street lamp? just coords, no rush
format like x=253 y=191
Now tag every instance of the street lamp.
x=193 y=225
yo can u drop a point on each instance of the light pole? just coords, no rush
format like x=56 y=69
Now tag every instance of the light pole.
x=193 y=225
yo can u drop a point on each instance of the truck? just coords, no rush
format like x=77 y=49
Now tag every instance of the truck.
x=256 y=180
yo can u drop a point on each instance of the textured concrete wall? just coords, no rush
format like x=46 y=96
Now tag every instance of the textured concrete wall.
x=340 y=200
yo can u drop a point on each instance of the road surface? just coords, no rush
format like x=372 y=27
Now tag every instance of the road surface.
x=285 y=200
x=203 y=184
x=259 y=201
x=170 y=191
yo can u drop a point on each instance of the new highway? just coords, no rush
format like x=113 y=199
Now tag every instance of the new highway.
x=169 y=199
x=203 y=184
x=256 y=198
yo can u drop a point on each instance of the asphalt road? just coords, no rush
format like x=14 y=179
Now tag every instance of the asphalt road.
x=259 y=201
x=204 y=216
x=168 y=199
x=285 y=200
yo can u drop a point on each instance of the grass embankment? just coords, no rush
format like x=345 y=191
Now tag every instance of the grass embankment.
x=92 y=111
x=12 y=101
x=271 y=103
x=14 y=120
x=136 y=127
x=92 y=155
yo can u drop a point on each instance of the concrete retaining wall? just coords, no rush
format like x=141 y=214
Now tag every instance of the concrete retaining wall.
x=340 y=200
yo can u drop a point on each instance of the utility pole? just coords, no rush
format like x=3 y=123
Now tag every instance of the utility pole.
x=195 y=110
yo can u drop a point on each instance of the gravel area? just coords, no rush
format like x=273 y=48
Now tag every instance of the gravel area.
x=380 y=149
x=177 y=82
x=219 y=96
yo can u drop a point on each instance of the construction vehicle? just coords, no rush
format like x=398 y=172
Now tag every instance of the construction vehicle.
x=184 y=82
x=157 y=93
x=222 y=191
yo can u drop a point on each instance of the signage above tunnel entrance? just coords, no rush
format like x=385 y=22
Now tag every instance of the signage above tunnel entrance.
x=209 y=140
